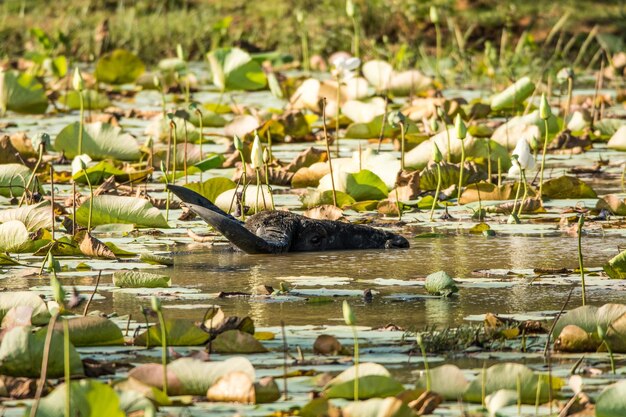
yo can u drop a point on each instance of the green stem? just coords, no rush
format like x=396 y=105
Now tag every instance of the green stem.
x=304 y=37
x=163 y=349
x=32 y=177
x=432 y=209
x=81 y=122
x=258 y=189
x=356 y=363
x=523 y=176
x=538 y=395
x=201 y=138
x=174 y=152
x=330 y=164
x=426 y=367
x=581 y=222
x=458 y=201
x=543 y=158
x=357 y=41
x=483 y=385
x=398 y=204
x=267 y=182
x=438 y=51
x=518 y=385
x=402 y=135
x=90 y=201
x=489 y=160
x=449 y=155
x=499 y=172
x=66 y=367
x=337 y=115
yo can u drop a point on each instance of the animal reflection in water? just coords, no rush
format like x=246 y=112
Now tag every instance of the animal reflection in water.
x=278 y=231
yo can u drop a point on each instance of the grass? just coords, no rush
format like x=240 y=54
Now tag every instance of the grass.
x=388 y=29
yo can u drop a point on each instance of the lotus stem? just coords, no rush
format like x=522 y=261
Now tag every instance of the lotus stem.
x=398 y=204
x=245 y=180
x=568 y=105
x=438 y=49
x=518 y=386
x=581 y=222
x=538 y=394
x=338 y=115
x=66 y=367
x=81 y=122
x=267 y=182
x=543 y=158
x=623 y=176
x=521 y=206
x=185 y=152
x=30 y=179
x=461 y=172
x=269 y=144
x=90 y=201
x=499 y=173
x=304 y=38
x=44 y=365
x=258 y=188
x=52 y=204
x=483 y=385
x=489 y=160
x=436 y=198
x=175 y=134
x=449 y=155
x=402 y=135
x=145 y=318
x=356 y=363
x=420 y=343
x=157 y=308
x=330 y=164
x=167 y=198
x=357 y=41
x=200 y=121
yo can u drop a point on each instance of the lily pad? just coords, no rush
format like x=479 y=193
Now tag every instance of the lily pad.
x=374 y=381
x=92 y=100
x=13 y=235
x=119 y=67
x=34 y=217
x=446 y=380
x=109 y=209
x=9 y=300
x=234 y=69
x=180 y=332
x=21 y=93
x=21 y=354
x=376 y=407
x=136 y=279
x=92 y=331
x=365 y=185
x=567 y=187
x=236 y=341
x=612 y=401
x=440 y=283
x=212 y=187
x=100 y=141
x=616 y=267
x=514 y=95
x=13 y=179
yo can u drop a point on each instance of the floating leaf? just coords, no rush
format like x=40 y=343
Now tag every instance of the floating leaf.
x=156 y=259
x=440 y=283
x=612 y=401
x=180 y=332
x=365 y=185
x=240 y=388
x=13 y=179
x=119 y=67
x=234 y=69
x=506 y=376
x=514 y=95
x=446 y=380
x=378 y=407
x=616 y=267
x=567 y=187
x=13 y=235
x=613 y=203
x=136 y=279
x=21 y=354
x=9 y=300
x=92 y=100
x=88 y=397
x=34 y=217
x=109 y=209
x=374 y=381
x=236 y=341
x=212 y=187
x=21 y=93
x=92 y=331
x=100 y=141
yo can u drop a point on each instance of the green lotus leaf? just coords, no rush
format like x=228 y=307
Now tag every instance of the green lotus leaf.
x=100 y=141
x=236 y=341
x=13 y=179
x=9 y=300
x=514 y=95
x=109 y=209
x=119 y=67
x=137 y=279
x=612 y=401
x=180 y=332
x=92 y=100
x=21 y=93
x=440 y=283
x=365 y=185
x=212 y=187
x=567 y=187
x=34 y=217
x=234 y=69
x=92 y=331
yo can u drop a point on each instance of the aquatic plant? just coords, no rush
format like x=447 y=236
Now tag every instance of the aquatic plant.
x=350 y=319
x=461 y=134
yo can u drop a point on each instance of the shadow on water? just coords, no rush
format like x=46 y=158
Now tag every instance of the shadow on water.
x=213 y=271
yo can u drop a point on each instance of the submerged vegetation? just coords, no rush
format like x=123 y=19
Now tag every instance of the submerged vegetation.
x=491 y=138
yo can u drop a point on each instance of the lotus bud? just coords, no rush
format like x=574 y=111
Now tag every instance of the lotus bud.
x=193 y=106
x=266 y=156
x=601 y=333
x=58 y=294
x=349 y=8
x=257 y=152
x=434 y=15
x=155 y=304
x=544 y=108
x=396 y=118
x=157 y=82
x=79 y=163
x=437 y=156
x=299 y=16
x=179 y=52
x=441 y=113
x=163 y=169
x=78 y=83
x=434 y=125
x=564 y=74
x=348 y=314
x=238 y=143
x=461 y=129
x=41 y=139
x=171 y=116
x=419 y=340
